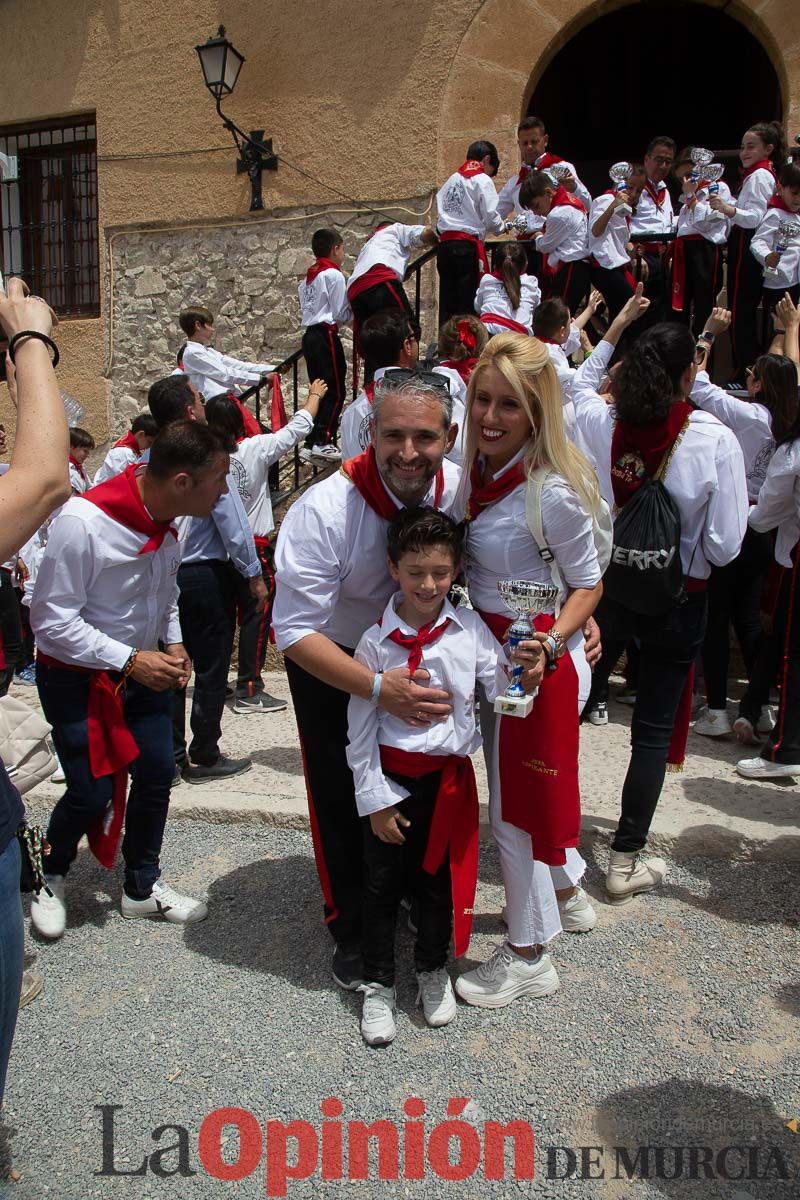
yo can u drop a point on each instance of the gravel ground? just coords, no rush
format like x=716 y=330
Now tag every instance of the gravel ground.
x=676 y=1025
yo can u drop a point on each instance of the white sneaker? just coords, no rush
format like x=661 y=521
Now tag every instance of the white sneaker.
x=58 y=775
x=305 y=454
x=577 y=914
x=762 y=768
x=713 y=722
x=505 y=976
x=49 y=913
x=599 y=714
x=436 y=996
x=377 y=1014
x=327 y=453
x=628 y=875
x=745 y=733
x=766 y=722
x=165 y=902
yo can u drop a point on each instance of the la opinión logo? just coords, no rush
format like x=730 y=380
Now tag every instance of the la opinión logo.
x=334 y=1149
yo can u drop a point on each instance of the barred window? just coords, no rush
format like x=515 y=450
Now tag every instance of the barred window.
x=48 y=212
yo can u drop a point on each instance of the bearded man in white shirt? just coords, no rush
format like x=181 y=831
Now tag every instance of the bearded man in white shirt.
x=106 y=597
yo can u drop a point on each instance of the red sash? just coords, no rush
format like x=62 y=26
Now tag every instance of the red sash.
x=464 y=367
x=481 y=496
x=454 y=827
x=277 y=409
x=489 y=318
x=471 y=168
x=111 y=750
x=679 y=269
x=458 y=235
x=375 y=275
x=538 y=758
x=119 y=498
x=251 y=425
x=79 y=468
x=128 y=442
x=320 y=265
x=362 y=471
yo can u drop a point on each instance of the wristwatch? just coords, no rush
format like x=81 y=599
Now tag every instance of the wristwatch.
x=706 y=336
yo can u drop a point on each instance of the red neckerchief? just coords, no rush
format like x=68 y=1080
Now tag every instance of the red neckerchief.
x=471 y=168
x=277 y=409
x=426 y=635
x=638 y=450
x=79 y=468
x=524 y=172
x=369 y=392
x=483 y=495
x=119 y=498
x=547 y=160
x=362 y=471
x=562 y=199
x=251 y=425
x=320 y=265
x=656 y=196
x=128 y=442
x=763 y=164
x=778 y=202
x=464 y=367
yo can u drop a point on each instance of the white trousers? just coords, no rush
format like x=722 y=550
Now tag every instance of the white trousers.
x=530 y=886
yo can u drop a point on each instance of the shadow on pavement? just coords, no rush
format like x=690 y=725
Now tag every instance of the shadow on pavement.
x=788 y=998
x=775 y=803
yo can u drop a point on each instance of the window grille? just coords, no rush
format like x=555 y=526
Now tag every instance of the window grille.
x=48 y=213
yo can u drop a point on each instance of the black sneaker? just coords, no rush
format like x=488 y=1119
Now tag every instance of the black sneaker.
x=177 y=778
x=347 y=970
x=223 y=768
x=259 y=702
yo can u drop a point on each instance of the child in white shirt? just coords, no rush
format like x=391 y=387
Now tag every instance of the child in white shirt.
x=507 y=297
x=208 y=370
x=781 y=268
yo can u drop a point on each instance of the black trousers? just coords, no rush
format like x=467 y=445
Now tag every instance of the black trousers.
x=10 y=630
x=325 y=360
x=667 y=648
x=734 y=598
x=207 y=608
x=459 y=276
x=745 y=284
x=656 y=289
x=321 y=715
x=571 y=283
x=614 y=285
x=702 y=282
x=783 y=745
x=393 y=871
x=379 y=297
x=254 y=625
x=769 y=298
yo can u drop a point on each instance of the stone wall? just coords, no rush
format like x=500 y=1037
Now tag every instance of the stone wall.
x=246 y=272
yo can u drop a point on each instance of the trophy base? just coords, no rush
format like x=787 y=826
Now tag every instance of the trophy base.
x=513 y=706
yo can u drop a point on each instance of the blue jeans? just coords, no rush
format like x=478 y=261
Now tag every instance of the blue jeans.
x=65 y=696
x=12 y=940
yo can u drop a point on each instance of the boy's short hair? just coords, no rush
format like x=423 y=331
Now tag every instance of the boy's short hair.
x=479 y=150
x=637 y=171
x=80 y=439
x=531 y=123
x=790 y=176
x=169 y=398
x=550 y=316
x=145 y=423
x=534 y=185
x=193 y=316
x=382 y=337
x=415 y=529
x=183 y=446
x=669 y=142
x=325 y=240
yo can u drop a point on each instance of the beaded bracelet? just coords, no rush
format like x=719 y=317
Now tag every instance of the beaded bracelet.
x=33 y=333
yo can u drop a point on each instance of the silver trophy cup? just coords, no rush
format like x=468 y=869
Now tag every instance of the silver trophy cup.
x=712 y=173
x=701 y=158
x=787 y=232
x=526 y=599
x=620 y=175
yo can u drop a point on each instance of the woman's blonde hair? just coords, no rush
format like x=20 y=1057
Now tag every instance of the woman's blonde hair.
x=526 y=365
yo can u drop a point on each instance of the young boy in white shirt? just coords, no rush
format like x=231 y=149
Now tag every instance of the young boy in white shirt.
x=323 y=308
x=210 y=371
x=415 y=787
x=610 y=241
x=781 y=267
x=563 y=241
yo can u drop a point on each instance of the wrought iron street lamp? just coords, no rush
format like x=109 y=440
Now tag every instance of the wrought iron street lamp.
x=221 y=64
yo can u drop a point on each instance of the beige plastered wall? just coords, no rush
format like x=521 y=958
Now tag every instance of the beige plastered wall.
x=374 y=98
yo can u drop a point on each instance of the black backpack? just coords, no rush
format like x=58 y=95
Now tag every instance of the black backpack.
x=645 y=573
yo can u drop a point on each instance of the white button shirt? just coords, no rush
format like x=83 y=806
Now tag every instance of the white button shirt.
x=779 y=501
x=754 y=195
x=114 y=463
x=250 y=464
x=763 y=243
x=465 y=653
x=701 y=218
x=750 y=421
x=492 y=297
x=96 y=598
x=610 y=249
x=705 y=478
x=324 y=300
x=566 y=235
x=390 y=247
x=330 y=562
x=468 y=206
x=651 y=217
x=213 y=373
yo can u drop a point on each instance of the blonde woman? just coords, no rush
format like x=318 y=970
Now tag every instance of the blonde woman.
x=514 y=425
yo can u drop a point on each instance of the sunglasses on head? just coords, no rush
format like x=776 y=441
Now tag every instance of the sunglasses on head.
x=409 y=374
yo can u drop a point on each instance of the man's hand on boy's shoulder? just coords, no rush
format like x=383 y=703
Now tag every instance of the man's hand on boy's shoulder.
x=387 y=825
